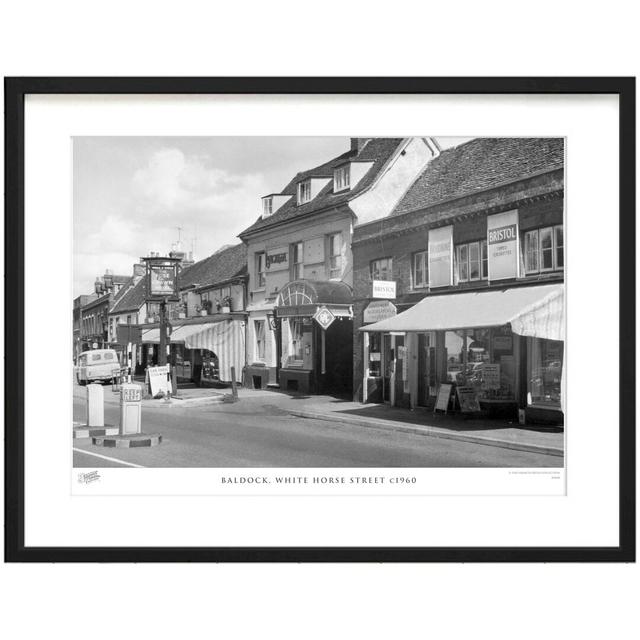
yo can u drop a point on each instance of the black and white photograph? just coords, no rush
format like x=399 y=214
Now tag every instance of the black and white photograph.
x=275 y=340
x=318 y=302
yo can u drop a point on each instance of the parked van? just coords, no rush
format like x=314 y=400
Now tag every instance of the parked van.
x=97 y=364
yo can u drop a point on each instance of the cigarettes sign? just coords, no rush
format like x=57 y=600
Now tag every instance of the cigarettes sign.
x=441 y=257
x=503 y=245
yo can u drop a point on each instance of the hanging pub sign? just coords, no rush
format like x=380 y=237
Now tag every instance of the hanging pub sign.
x=503 y=246
x=162 y=279
x=379 y=310
x=441 y=257
x=324 y=317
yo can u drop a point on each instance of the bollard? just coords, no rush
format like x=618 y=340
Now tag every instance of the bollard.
x=130 y=409
x=95 y=405
x=234 y=384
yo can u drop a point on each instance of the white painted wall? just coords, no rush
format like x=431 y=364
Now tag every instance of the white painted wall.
x=385 y=193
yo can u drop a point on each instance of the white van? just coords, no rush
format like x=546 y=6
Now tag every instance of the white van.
x=97 y=364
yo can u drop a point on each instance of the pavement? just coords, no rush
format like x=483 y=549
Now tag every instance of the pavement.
x=327 y=409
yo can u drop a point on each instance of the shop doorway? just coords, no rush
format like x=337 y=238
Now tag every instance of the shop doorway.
x=426 y=369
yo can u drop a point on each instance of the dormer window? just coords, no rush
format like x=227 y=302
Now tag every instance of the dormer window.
x=341 y=178
x=304 y=191
x=267 y=206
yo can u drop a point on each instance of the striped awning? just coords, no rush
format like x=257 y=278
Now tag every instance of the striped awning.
x=226 y=340
x=179 y=333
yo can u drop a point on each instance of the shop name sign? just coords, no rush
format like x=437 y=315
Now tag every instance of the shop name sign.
x=379 y=310
x=503 y=245
x=504 y=234
x=383 y=289
x=279 y=260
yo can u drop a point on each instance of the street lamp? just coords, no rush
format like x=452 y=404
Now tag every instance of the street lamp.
x=162 y=287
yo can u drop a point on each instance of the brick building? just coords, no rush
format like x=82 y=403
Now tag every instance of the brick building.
x=463 y=283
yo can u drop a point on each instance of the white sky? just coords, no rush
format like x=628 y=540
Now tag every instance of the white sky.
x=131 y=193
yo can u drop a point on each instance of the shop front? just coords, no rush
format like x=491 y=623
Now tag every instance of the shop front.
x=505 y=347
x=203 y=351
x=314 y=339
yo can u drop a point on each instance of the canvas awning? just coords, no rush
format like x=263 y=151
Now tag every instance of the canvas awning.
x=180 y=331
x=536 y=311
x=226 y=340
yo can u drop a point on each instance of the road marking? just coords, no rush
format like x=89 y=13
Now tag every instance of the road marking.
x=97 y=455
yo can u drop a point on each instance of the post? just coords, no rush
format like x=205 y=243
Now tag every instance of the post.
x=234 y=386
x=162 y=355
x=95 y=405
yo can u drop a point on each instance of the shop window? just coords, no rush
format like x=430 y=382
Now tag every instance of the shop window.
x=472 y=261
x=483 y=359
x=544 y=249
x=420 y=269
x=335 y=255
x=297 y=261
x=544 y=364
x=261 y=272
x=292 y=346
x=382 y=269
x=260 y=332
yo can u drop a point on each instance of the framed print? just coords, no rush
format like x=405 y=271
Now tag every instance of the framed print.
x=320 y=319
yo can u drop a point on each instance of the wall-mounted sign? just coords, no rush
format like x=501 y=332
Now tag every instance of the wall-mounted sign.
x=383 y=289
x=379 y=310
x=277 y=259
x=441 y=257
x=503 y=246
x=324 y=317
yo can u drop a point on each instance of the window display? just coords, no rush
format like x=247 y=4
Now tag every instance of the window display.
x=482 y=359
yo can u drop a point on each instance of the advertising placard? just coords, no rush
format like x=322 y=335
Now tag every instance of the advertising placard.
x=490 y=376
x=502 y=245
x=159 y=379
x=468 y=400
x=441 y=257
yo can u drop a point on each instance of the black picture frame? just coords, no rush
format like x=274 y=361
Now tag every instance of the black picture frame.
x=15 y=91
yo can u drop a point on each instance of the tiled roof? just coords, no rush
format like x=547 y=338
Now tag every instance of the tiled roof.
x=480 y=164
x=228 y=263
x=377 y=150
x=130 y=298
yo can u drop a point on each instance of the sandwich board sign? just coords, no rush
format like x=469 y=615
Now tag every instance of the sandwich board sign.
x=442 y=399
x=468 y=400
x=159 y=380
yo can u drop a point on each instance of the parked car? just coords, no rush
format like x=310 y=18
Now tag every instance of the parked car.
x=97 y=365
